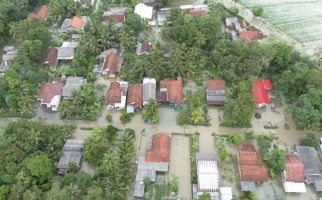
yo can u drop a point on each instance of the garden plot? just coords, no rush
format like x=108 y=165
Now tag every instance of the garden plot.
x=301 y=19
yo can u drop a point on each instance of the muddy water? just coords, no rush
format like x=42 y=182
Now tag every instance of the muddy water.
x=180 y=164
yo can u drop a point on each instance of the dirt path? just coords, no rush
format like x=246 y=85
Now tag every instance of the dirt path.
x=180 y=164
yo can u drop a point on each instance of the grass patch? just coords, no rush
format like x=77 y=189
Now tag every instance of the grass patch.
x=194 y=148
x=87 y=128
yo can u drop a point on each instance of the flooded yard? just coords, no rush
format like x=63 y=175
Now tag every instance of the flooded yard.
x=180 y=164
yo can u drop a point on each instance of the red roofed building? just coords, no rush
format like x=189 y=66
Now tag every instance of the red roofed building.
x=197 y=13
x=50 y=95
x=173 y=90
x=216 y=92
x=75 y=24
x=110 y=64
x=250 y=168
x=116 y=15
x=160 y=150
x=113 y=18
x=135 y=96
x=116 y=95
x=293 y=176
x=260 y=92
x=249 y=36
x=51 y=57
x=40 y=14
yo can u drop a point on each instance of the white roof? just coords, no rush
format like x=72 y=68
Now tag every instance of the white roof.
x=54 y=103
x=294 y=187
x=226 y=193
x=143 y=11
x=208 y=177
x=70 y=44
x=184 y=7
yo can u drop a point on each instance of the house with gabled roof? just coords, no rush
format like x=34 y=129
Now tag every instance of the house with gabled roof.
x=134 y=97
x=73 y=83
x=251 y=170
x=216 y=91
x=116 y=95
x=250 y=36
x=41 y=13
x=75 y=24
x=260 y=92
x=115 y=15
x=51 y=57
x=50 y=95
x=293 y=175
x=144 y=11
x=156 y=161
x=66 y=52
x=72 y=153
x=149 y=90
x=171 y=91
x=111 y=65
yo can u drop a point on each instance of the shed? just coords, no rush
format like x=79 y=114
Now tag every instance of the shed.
x=216 y=92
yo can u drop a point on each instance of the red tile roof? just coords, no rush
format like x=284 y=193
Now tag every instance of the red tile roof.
x=113 y=18
x=216 y=84
x=110 y=63
x=49 y=90
x=250 y=168
x=260 y=91
x=160 y=150
x=114 y=93
x=51 y=57
x=249 y=36
x=294 y=169
x=174 y=90
x=197 y=12
x=40 y=14
x=135 y=95
x=76 y=22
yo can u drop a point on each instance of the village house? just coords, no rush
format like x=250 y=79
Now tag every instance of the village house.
x=143 y=48
x=72 y=153
x=171 y=92
x=251 y=171
x=116 y=95
x=249 y=36
x=74 y=25
x=208 y=178
x=293 y=176
x=155 y=162
x=10 y=52
x=261 y=92
x=73 y=83
x=50 y=95
x=50 y=58
x=40 y=14
x=134 y=97
x=195 y=10
x=111 y=65
x=66 y=52
x=312 y=166
x=235 y=24
x=216 y=92
x=149 y=90
x=114 y=15
x=162 y=14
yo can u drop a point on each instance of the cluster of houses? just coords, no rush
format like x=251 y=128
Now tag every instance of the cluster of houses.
x=239 y=29
x=301 y=167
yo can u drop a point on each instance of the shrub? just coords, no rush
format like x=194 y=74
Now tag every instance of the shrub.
x=257 y=11
x=125 y=117
x=109 y=117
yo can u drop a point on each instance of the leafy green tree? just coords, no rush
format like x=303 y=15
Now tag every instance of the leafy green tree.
x=276 y=161
x=196 y=116
x=125 y=117
x=151 y=111
x=40 y=168
x=310 y=140
x=205 y=196
x=257 y=11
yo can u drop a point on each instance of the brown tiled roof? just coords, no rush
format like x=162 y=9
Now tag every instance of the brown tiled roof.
x=197 y=12
x=40 y=14
x=49 y=90
x=160 y=149
x=135 y=95
x=76 y=22
x=250 y=168
x=249 y=36
x=216 y=84
x=51 y=57
x=294 y=169
x=114 y=93
x=161 y=97
x=174 y=90
x=114 y=18
x=111 y=62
